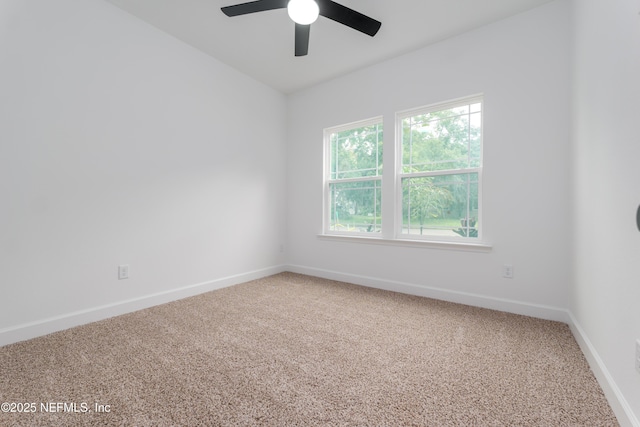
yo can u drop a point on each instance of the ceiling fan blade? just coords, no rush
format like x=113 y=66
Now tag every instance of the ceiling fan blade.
x=254 y=6
x=302 y=39
x=349 y=17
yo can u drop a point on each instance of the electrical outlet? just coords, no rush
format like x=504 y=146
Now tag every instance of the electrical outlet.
x=638 y=356
x=123 y=271
x=507 y=271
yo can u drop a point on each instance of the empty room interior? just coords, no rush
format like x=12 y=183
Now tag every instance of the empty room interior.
x=152 y=152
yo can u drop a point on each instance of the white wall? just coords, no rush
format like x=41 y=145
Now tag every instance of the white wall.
x=522 y=65
x=605 y=298
x=121 y=145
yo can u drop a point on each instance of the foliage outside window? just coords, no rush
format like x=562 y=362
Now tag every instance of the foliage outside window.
x=353 y=188
x=440 y=171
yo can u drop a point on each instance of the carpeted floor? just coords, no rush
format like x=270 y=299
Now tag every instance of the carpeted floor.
x=295 y=350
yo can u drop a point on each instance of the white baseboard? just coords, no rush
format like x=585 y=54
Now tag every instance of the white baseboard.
x=54 y=324
x=616 y=399
x=501 y=304
x=618 y=403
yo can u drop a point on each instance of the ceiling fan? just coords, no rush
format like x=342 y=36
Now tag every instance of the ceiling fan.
x=305 y=12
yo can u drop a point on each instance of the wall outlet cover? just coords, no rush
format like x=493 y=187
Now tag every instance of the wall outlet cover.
x=507 y=271
x=123 y=272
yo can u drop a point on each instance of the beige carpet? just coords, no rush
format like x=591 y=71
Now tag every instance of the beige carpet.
x=295 y=350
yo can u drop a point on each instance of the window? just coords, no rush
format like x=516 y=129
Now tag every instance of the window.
x=432 y=189
x=440 y=170
x=353 y=171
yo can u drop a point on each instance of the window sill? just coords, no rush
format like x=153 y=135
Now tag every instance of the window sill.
x=433 y=244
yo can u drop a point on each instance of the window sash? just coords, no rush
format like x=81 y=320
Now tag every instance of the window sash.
x=334 y=139
x=447 y=206
x=358 y=221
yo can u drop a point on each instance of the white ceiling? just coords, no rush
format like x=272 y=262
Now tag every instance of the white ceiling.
x=261 y=44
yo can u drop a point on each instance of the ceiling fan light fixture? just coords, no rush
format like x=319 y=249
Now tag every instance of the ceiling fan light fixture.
x=303 y=12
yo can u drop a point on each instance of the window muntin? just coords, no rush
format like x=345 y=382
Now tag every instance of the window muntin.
x=440 y=171
x=353 y=190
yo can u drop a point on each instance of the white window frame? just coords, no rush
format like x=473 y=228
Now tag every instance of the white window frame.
x=391 y=187
x=400 y=116
x=327 y=180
